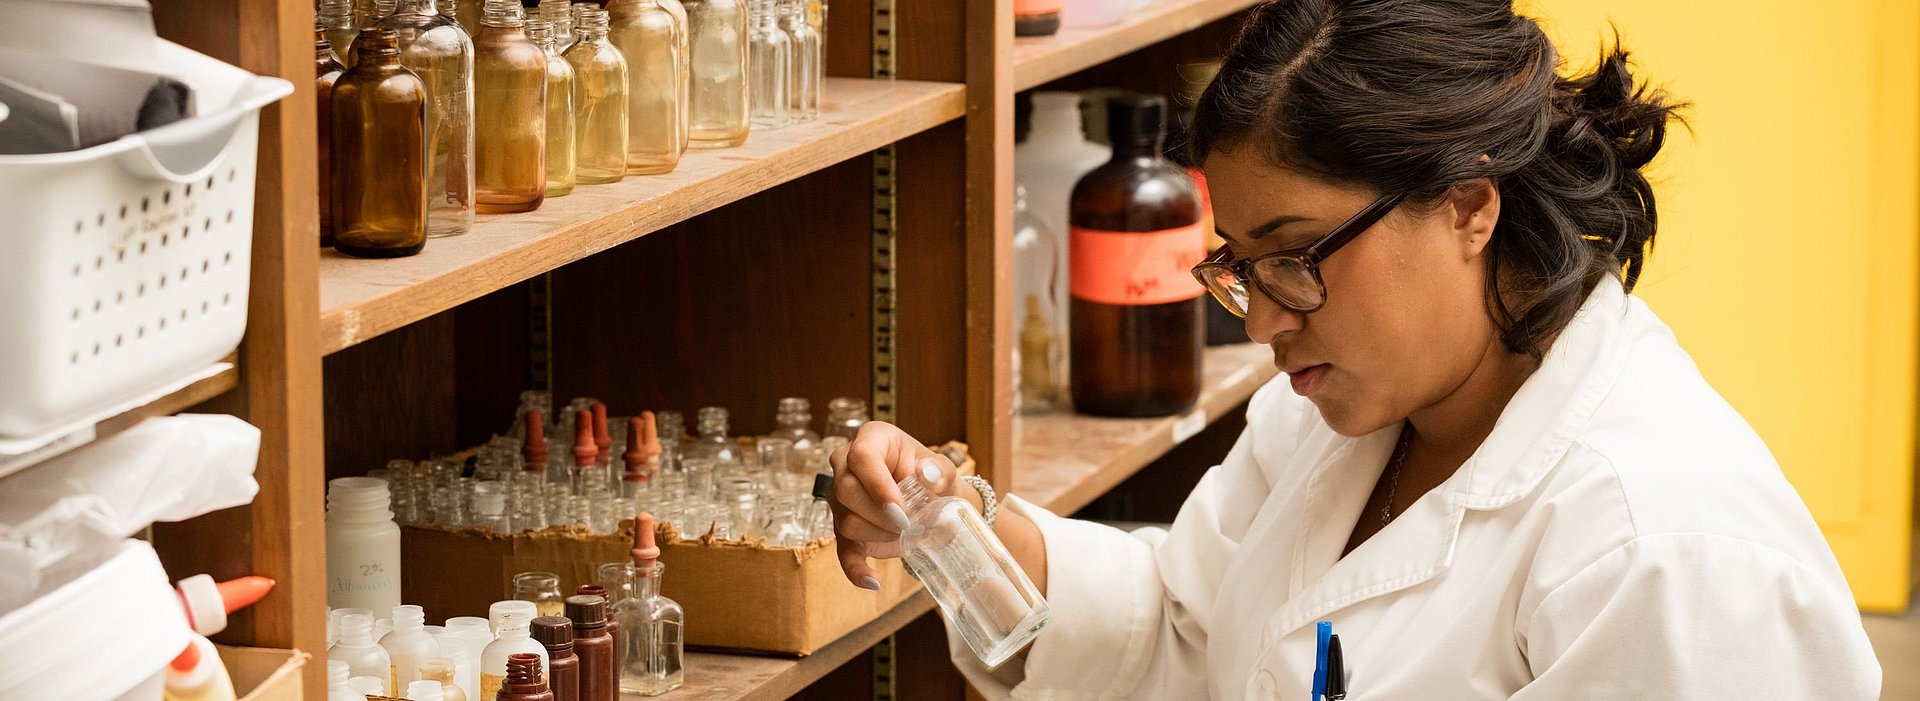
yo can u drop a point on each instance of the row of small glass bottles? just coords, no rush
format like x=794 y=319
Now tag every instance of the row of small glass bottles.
x=708 y=484
x=621 y=91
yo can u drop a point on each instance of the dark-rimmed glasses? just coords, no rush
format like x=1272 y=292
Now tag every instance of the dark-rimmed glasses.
x=1291 y=277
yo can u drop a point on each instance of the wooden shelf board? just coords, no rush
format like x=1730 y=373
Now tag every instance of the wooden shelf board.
x=360 y=299
x=724 y=677
x=1064 y=461
x=1037 y=60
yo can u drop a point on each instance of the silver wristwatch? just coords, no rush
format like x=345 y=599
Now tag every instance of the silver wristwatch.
x=989 y=504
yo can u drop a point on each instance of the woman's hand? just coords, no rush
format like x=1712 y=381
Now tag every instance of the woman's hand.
x=868 y=513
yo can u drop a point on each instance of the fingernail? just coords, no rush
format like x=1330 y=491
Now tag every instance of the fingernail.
x=930 y=468
x=898 y=516
x=870 y=583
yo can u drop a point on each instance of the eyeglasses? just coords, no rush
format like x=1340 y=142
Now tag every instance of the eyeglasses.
x=1291 y=277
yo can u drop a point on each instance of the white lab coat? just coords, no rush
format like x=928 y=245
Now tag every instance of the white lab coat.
x=1621 y=534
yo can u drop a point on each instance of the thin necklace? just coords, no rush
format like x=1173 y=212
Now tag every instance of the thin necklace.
x=1393 y=467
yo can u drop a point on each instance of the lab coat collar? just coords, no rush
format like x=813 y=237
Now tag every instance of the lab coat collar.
x=1532 y=433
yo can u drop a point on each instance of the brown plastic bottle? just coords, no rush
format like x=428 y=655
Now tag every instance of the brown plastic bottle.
x=378 y=188
x=613 y=626
x=563 y=667
x=326 y=70
x=1136 y=231
x=599 y=677
x=523 y=680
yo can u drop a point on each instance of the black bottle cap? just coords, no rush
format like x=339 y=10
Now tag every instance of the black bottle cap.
x=1136 y=118
x=821 y=483
x=554 y=632
x=587 y=609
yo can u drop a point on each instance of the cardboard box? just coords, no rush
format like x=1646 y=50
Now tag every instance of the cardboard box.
x=737 y=596
x=264 y=674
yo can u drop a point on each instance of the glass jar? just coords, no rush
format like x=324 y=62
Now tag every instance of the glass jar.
x=541 y=588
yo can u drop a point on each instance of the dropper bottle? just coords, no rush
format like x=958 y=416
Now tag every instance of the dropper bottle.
x=638 y=473
x=585 y=451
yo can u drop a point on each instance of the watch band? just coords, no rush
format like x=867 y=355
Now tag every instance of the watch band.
x=989 y=503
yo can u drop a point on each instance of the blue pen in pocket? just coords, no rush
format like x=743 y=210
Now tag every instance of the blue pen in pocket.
x=1322 y=633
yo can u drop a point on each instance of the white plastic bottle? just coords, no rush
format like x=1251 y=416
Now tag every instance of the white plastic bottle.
x=408 y=645
x=425 y=690
x=357 y=649
x=363 y=546
x=198 y=675
x=339 y=682
x=474 y=633
x=515 y=637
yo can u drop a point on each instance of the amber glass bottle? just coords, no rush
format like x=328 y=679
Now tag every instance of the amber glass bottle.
x=1136 y=231
x=441 y=55
x=378 y=177
x=600 y=100
x=326 y=69
x=647 y=34
x=510 y=113
x=560 y=175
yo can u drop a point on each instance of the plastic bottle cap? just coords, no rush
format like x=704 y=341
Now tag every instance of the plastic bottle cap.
x=587 y=609
x=644 y=551
x=207 y=603
x=553 y=631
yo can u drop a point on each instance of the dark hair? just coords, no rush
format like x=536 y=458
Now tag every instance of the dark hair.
x=1414 y=96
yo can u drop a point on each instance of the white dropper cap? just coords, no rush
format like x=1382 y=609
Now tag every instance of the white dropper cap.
x=426 y=690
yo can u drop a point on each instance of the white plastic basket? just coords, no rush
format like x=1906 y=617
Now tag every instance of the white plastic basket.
x=126 y=264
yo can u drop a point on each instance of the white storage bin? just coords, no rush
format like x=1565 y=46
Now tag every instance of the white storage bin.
x=127 y=263
x=106 y=635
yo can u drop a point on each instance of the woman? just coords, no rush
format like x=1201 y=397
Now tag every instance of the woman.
x=1495 y=473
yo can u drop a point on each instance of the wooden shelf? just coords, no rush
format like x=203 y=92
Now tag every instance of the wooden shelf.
x=360 y=299
x=723 y=677
x=16 y=455
x=1038 y=60
x=1064 y=461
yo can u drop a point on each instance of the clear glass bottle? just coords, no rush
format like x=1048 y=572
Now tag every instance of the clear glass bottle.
x=718 y=101
x=367 y=13
x=541 y=588
x=510 y=110
x=441 y=55
x=845 y=415
x=336 y=17
x=490 y=510
x=966 y=568
x=326 y=69
x=650 y=38
x=794 y=419
x=469 y=13
x=560 y=14
x=651 y=646
x=770 y=59
x=377 y=185
x=714 y=442
x=600 y=99
x=1137 y=331
x=560 y=113
x=808 y=72
x=1036 y=283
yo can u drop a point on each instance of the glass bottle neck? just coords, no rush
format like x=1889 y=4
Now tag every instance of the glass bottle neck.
x=419 y=7
x=1136 y=148
x=646 y=581
x=916 y=495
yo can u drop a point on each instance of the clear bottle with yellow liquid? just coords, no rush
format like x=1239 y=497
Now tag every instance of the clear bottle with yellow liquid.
x=600 y=100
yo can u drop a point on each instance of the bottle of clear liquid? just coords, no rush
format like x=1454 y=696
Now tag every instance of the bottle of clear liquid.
x=377 y=180
x=650 y=38
x=794 y=420
x=770 y=58
x=560 y=113
x=510 y=98
x=326 y=69
x=560 y=14
x=363 y=546
x=600 y=99
x=515 y=638
x=439 y=52
x=979 y=586
x=357 y=649
x=336 y=17
x=1036 y=288
x=651 y=647
x=408 y=645
x=718 y=97
x=809 y=63
x=845 y=416
x=714 y=442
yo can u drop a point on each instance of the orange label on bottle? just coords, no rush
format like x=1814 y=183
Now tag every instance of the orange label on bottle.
x=1136 y=268
x=1037 y=7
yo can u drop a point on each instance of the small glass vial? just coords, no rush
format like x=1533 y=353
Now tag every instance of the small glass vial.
x=378 y=186
x=794 y=419
x=650 y=38
x=560 y=125
x=510 y=132
x=714 y=442
x=541 y=588
x=600 y=99
x=651 y=647
x=363 y=546
x=326 y=71
x=845 y=416
x=771 y=60
x=970 y=574
x=441 y=54
x=808 y=69
x=718 y=97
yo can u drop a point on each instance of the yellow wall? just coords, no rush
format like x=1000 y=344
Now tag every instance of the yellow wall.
x=1789 y=236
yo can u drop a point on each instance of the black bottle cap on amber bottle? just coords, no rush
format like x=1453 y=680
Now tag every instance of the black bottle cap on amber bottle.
x=1136 y=118
x=553 y=631
x=587 y=609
